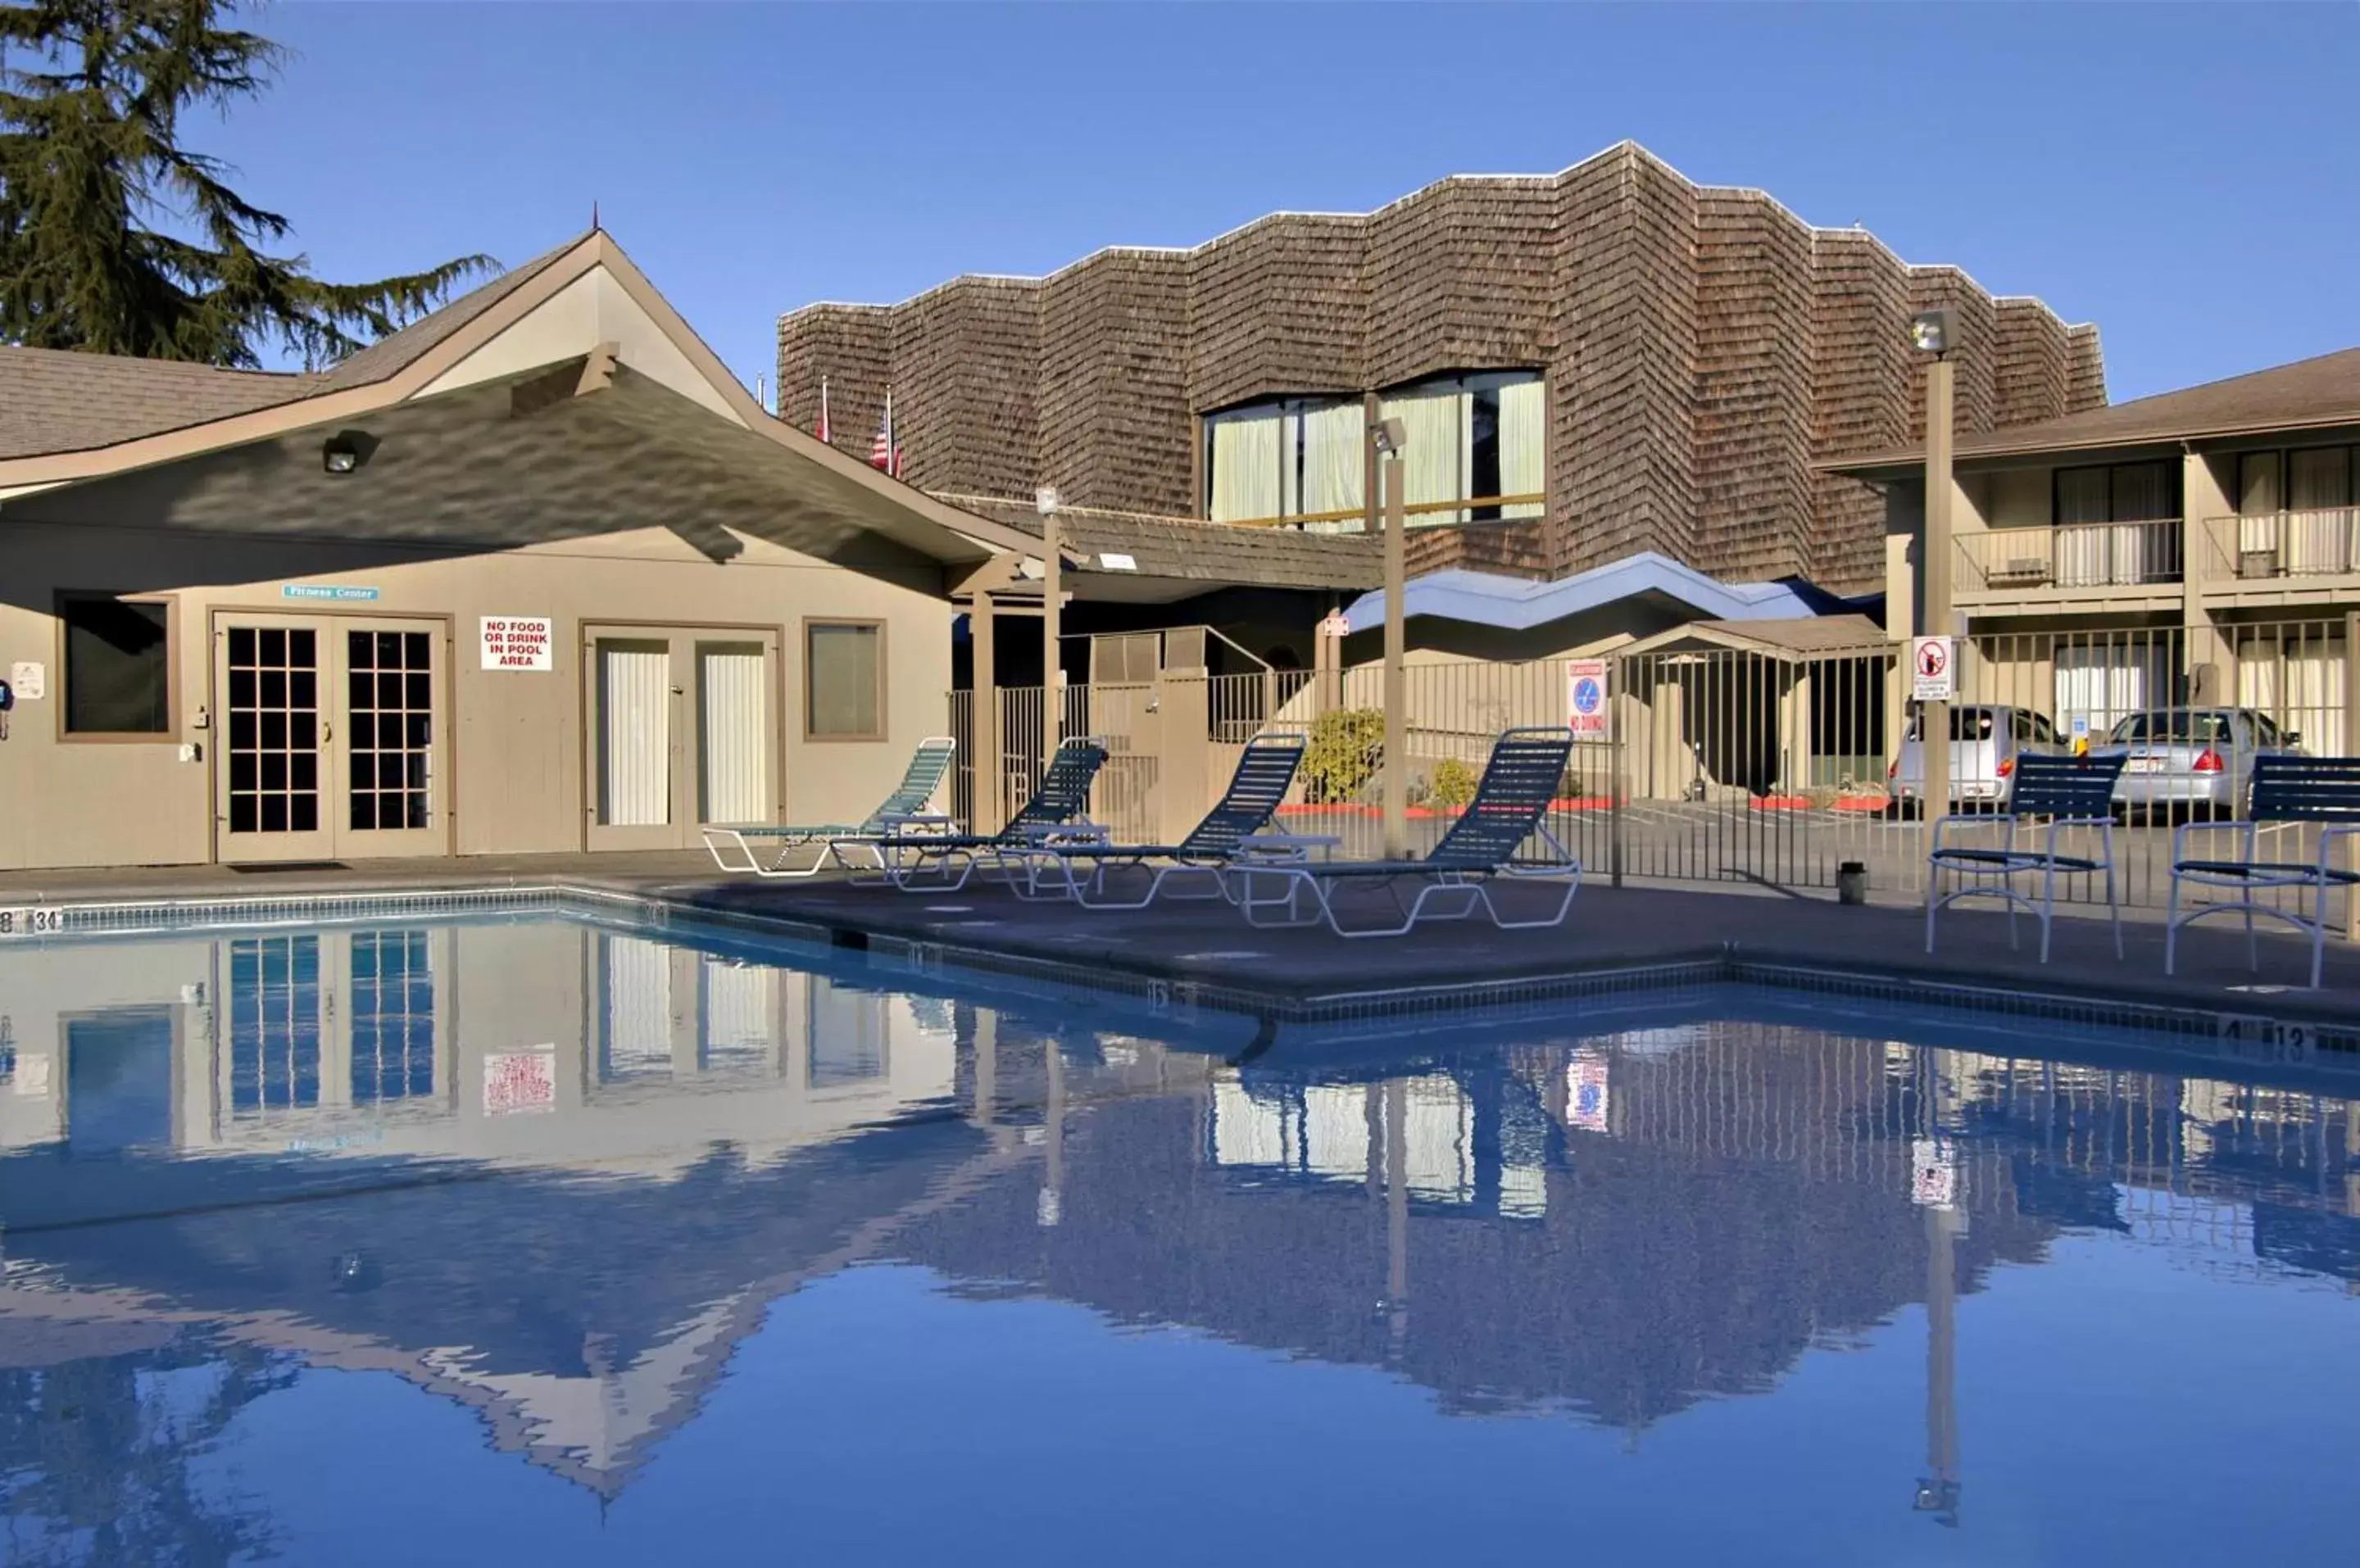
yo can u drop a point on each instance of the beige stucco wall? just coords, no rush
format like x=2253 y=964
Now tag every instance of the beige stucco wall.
x=512 y=768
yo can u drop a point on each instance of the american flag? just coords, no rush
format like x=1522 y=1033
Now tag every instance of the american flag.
x=882 y=451
x=821 y=432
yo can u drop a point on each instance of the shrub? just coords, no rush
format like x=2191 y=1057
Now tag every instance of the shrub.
x=1454 y=783
x=1346 y=744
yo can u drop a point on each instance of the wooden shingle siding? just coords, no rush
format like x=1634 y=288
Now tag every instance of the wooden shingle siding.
x=1703 y=346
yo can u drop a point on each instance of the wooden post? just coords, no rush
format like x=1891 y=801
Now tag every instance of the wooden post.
x=984 y=719
x=1053 y=671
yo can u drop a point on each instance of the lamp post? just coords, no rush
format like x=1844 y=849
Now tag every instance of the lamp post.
x=1391 y=440
x=1936 y=332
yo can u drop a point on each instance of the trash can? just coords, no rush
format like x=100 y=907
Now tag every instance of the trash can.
x=1851 y=882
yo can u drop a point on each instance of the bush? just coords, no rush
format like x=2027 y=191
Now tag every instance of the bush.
x=1453 y=784
x=1346 y=744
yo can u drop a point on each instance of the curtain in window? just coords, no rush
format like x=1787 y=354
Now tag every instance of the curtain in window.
x=1333 y=440
x=2084 y=552
x=1435 y=424
x=2318 y=490
x=2142 y=494
x=1524 y=444
x=1245 y=485
x=2257 y=509
x=2300 y=685
x=2108 y=682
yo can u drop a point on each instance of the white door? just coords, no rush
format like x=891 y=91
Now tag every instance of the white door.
x=684 y=730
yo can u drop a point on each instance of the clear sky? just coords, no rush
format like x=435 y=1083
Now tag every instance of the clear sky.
x=2187 y=177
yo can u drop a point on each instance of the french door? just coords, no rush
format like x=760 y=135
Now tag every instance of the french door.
x=329 y=741
x=684 y=730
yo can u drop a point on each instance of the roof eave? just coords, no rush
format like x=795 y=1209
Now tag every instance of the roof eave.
x=1904 y=462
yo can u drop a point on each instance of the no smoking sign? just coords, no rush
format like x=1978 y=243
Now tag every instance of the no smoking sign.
x=1934 y=669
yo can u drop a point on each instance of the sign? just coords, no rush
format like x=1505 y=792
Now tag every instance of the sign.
x=1335 y=623
x=30 y=682
x=1933 y=668
x=517 y=1080
x=324 y=591
x=1117 y=560
x=516 y=642
x=1586 y=692
x=1933 y=1172
x=2080 y=733
x=1586 y=1095
x=42 y=921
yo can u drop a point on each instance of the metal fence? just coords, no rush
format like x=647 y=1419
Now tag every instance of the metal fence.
x=1727 y=760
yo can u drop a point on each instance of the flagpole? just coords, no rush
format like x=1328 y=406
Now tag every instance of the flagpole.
x=825 y=433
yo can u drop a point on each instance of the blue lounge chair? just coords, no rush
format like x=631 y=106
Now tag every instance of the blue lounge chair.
x=928 y=861
x=2287 y=792
x=1257 y=789
x=1519 y=783
x=2052 y=792
x=904 y=806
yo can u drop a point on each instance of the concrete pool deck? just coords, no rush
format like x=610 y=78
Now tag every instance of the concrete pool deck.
x=1206 y=944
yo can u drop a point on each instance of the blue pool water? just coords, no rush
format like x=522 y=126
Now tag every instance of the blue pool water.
x=542 y=1240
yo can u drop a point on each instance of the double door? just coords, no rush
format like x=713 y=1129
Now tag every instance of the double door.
x=684 y=730
x=329 y=738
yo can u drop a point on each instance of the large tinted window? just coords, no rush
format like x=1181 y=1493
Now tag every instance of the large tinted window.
x=845 y=695
x=118 y=667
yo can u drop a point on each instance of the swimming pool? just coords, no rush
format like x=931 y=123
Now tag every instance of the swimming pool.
x=543 y=1238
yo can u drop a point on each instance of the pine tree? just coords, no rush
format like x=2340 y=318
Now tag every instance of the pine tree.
x=116 y=239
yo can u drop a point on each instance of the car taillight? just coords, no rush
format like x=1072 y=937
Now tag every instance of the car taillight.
x=2006 y=767
x=2207 y=761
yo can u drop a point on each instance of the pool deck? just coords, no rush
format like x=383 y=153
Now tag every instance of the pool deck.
x=1208 y=944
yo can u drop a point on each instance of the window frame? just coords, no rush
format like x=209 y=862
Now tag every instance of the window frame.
x=68 y=735
x=884 y=683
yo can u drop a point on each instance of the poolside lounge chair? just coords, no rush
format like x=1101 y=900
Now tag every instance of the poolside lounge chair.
x=905 y=804
x=925 y=861
x=1263 y=774
x=1519 y=782
x=2057 y=792
x=2286 y=791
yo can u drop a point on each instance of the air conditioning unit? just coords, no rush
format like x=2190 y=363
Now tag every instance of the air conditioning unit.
x=2258 y=563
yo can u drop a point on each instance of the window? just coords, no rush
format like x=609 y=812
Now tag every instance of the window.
x=1471 y=437
x=2297 y=507
x=118 y=673
x=1298 y=458
x=844 y=691
x=2103 y=535
x=1478 y=438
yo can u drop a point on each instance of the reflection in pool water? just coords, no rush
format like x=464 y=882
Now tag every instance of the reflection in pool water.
x=543 y=1241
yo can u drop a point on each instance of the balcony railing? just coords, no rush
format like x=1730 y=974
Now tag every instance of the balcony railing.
x=1417 y=514
x=2276 y=545
x=2073 y=555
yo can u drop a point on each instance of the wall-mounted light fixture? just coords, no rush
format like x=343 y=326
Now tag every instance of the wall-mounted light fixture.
x=346 y=451
x=1391 y=435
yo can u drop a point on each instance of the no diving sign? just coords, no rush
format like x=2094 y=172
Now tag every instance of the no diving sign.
x=1934 y=669
x=1586 y=689
x=516 y=642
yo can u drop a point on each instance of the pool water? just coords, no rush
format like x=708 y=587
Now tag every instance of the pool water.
x=549 y=1240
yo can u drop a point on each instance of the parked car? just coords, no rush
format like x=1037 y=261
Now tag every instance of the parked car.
x=2192 y=759
x=1985 y=741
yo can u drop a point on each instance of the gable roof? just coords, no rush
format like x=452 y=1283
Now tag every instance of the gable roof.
x=137 y=414
x=2308 y=394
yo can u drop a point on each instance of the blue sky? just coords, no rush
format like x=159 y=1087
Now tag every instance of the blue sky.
x=2184 y=176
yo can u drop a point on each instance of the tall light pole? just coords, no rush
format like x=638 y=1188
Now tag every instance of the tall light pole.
x=1392 y=440
x=1936 y=332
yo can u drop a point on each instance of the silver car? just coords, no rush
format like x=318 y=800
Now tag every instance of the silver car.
x=2192 y=759
x=1984 y=741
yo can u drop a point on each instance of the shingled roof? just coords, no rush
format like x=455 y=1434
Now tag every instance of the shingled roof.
x=57 y=400
x=54 y=401
x=1218 y=555
x=2308 y=394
